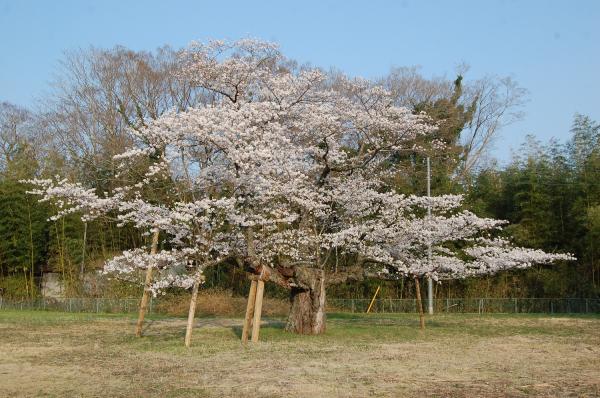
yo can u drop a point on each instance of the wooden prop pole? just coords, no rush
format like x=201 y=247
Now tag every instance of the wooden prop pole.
x=192 y=313
x=260 y=289
x=419 y=303
x=147 y=284
x=249 y=311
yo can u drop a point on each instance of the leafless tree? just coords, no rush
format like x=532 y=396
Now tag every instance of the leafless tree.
x=488 y=105
x=410 y=88
x=101 y=95
x=498 y=103
x=15 y=132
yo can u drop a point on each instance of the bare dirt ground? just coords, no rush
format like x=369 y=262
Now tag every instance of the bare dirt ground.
x=79 y=355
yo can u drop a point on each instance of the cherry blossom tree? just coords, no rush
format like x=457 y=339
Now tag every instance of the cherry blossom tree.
x=282 y=170
x=400 y=238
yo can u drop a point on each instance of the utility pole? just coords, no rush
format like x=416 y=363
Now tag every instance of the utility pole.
x=429 y=281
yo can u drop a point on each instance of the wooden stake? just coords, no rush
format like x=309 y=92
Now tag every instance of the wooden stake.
x=192 y=313
x=373 y=299
x=249 y=311
x=419 y=303
x=82 y=271
x=260 y=289
x=146 y=294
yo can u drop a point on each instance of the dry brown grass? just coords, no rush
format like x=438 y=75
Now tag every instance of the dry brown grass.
x=215 y=302
x=63 y=355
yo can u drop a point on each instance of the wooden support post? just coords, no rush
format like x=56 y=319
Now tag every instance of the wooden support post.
x=419 y=303
x=192 y=312
x=249 y=311
x=146 y=294
x=260 y=289
x=373 y=299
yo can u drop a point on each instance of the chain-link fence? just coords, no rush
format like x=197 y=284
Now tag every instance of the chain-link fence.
x=455 y=305
x=76 y=304
x=472 y=305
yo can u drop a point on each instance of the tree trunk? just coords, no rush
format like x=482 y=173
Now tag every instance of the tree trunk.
x=146 y=294
x=307 y=312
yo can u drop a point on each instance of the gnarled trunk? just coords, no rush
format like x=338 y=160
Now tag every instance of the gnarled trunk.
x=307 y=312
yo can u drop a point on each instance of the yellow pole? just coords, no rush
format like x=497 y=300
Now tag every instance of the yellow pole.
x=373 y=299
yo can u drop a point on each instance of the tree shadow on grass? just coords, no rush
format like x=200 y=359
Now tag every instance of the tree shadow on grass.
x=175 y=328
x=383 y=321
x=265 y=323
x=158 y=330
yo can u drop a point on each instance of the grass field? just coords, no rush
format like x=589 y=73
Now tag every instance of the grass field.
x=53 y=354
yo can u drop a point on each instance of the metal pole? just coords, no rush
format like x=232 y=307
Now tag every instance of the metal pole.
x=586 y=306
x=429 y=280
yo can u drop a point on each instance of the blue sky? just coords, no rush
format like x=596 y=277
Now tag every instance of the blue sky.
x=550 y=47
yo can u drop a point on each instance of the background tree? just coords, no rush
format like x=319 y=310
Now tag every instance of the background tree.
x=23 y=229
x=549 y=193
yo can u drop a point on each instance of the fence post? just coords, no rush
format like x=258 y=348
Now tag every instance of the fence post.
x=516 y=306
x=586 y=306
x=352 y=302
x=551 y=306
